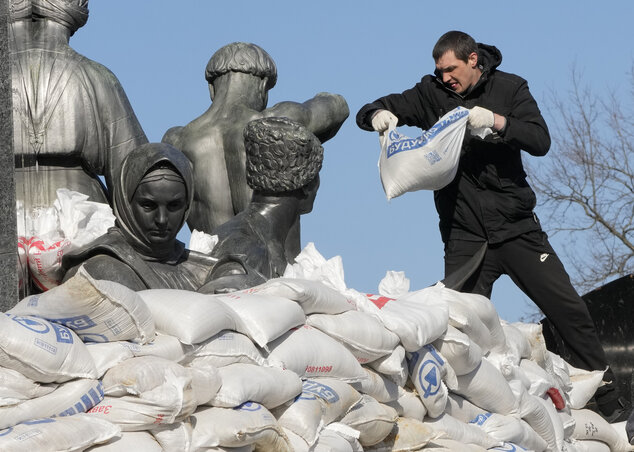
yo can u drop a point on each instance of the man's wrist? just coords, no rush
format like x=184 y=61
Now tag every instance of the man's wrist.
x=499 y=122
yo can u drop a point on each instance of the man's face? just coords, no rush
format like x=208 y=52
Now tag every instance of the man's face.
x=159 y=207
x=456 y=74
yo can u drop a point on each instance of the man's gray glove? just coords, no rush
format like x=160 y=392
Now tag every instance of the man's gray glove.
x=383 y=120
x=481 y=118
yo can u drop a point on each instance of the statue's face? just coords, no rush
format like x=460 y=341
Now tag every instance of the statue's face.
x=306 y=206
x=159 y=207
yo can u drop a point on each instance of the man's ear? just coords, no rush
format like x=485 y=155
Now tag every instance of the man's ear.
x=212 y=91
x=473 y=60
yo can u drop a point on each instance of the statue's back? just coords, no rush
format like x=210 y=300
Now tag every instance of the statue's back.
x=214 y=144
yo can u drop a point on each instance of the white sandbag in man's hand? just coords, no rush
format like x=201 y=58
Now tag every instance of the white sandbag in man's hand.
x=383 y=120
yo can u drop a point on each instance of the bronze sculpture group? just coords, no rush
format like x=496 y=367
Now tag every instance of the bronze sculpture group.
x=241 y=171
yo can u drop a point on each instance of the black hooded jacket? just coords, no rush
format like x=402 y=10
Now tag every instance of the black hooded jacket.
x=489 y=199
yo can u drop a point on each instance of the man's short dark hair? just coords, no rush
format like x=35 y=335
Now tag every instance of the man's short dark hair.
x=242 y=57
x=282 y=155
x=461 y=43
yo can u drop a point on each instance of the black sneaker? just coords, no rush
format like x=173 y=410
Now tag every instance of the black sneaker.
x=619 y=414
x=610 y=405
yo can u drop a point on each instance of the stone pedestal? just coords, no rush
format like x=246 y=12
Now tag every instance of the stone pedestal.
x=8 y=227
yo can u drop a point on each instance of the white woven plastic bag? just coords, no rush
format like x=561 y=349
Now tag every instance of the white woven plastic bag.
x=73 y=397
x=171 y=402
x=418 y=318
x=372 y=419
x=190 y=316
x=248 y=424
x=269 y=386
x=97 y=310
x=428 y=162
x=321 y=402
x=311 y=354
x=361 y=333
x=16 y=388
x=67 y=433
x=43 y=351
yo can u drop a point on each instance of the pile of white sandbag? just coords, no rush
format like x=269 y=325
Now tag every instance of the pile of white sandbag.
x=46 y=234
x=300 y=363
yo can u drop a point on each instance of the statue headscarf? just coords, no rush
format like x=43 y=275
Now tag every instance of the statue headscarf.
x=141 y=161
x=20 y=10
x=73 y=14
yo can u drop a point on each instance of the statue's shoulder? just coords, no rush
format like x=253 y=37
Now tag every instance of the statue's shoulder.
x=106 y=90
x=241 y=235
x=97 y=73
x=109 y=257
x=173 y=136
x=111 y=244
x=191 y=141
x=109 y=268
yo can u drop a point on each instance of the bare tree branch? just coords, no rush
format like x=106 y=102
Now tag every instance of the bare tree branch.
x=586 y=183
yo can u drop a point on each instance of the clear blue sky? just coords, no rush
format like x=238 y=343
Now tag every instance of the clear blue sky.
x=362 y=50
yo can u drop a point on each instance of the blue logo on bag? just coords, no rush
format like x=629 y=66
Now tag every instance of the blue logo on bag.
x=433 y=352
x=63 y=334
x=33 y=301
x=508 y=447
x=480 y=419
x=89 y=400
x=401 y=143
x=94 y=337
x=249 y=406
x=320 y=390
x=429 y=378
x=86 y=401
x=433 y=157
x=31 y=323
x=34 y=422
x=80 y=322
x=38 y=421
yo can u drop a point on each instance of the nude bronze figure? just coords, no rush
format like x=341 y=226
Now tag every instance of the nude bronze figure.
x=240 y=76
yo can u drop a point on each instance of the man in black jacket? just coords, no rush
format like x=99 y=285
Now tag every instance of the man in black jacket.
x=490 y=203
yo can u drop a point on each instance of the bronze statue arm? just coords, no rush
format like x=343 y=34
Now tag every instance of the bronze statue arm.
x=230 y=274
x=323 y=115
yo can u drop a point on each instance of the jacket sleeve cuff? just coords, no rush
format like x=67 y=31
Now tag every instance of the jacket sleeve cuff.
x=503 y=130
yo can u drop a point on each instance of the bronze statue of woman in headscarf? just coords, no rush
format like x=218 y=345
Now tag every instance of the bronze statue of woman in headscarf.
x=152 y=198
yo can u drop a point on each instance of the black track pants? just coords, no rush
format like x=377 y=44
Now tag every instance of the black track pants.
x=532 y=264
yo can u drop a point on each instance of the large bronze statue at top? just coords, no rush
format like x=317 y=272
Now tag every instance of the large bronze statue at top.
x=240 y=76
x=72 y=120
